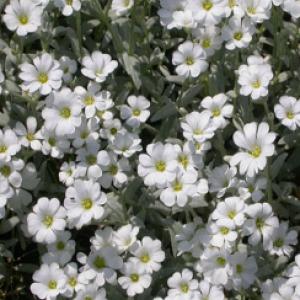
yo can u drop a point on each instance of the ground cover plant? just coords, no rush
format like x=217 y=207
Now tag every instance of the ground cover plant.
x=149 y=149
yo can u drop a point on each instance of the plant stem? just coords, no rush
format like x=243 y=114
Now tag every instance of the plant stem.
x=79 y=32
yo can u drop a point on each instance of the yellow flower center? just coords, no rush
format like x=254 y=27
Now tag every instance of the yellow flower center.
x=113 y=170
x=290 y=115
x=224 y=230
x=189 y=61
x=69 y=2
x=238 y=35
x=72 y=281
x=99 y=262
x=60 y=245
x=239 y=268
x=30 y=136
x=231 y=215
x=48 y=221
x=197 y=131
x=113 y=131
x=134 y=277
x=65 y=113
x=216 y=112
x=256 y=84
x=251 y=10
x=221 y=261
x=52 y=141
x=278 y=243
x=43 y=78
x=5 y=170
x=89 y=100
x=88 y=298
x=126 y=3
x=52 y=284
x=184 y=287
x=231 y=3
x=145 y=258
x=84 y=135
x=3 y=148
x=184 y=160
x=207 y=5
x=177 y=186
x=87 y=203
x=256 y=152
x=23 y=19
x=206 y=43
x=260 y=223
x=160 y=166
x=136 y=112
x=91 y=159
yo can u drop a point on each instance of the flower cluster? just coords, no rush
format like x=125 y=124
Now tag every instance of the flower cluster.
x=149 y=149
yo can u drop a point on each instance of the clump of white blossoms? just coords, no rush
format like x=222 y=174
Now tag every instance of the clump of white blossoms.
x=149 y=149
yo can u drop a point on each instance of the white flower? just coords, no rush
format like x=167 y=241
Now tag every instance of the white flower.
x=103 y=238
x=288 y=112
x=61 y=251
x=255 y=77
x=159 y=165
x=209 y=38
x=219 y=109
x=292 y=7
x=84 y=202
x=44 y=75
x=100 y=265
x=91 y=291
x=293 y=274
x=110 y=129
x=149 y=254
x=72 y=284
x=9 y=144
x=210 y=292
x=98 y=66
x=29 y=135
x=68 y=6
x=126 y=144
x=256 y=143
x=252 y=187
x=125 y=237
x=231 y=210
x=62 y=113
x=257 y=10
x=182 y=286
x=68 y=66
x=184 y=19
x=49 y=282
x=69 y=172
x=207 y=12
x=114 y=169
x=46 y=220
x=214 y=263
x=121 y=7
x=190 y=60
x=179 y=190
x=23 y=16
x=198 y=126
x=238 y=33
x=223 y=234
x=168 y=10
x=10 y=172
x=221 y=179
x=261 y=223
x=244 y=270
x=135 y=280
x=282 y=240
x=233 y=6
x=136 y=112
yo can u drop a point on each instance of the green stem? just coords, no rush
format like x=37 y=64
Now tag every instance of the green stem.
x=79 y=32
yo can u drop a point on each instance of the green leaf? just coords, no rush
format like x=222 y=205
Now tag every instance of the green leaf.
x=8 y=224
x=132 y=67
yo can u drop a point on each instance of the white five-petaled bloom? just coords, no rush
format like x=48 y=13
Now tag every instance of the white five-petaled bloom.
x=9 y=144
x=261 y=223
x=183 y=286
x=238 y=33
x=288 y=112
x=91 y=291
x=29 y=135
x=44 y=75
x=198 y=126
x=10 y=172
x=62 y=112
x=257 y=10
x=84 y=203
x=125 y=237
x=255 y=77
x=98 y=66
x=121 y=7
x=68 y=66
x=252 y=187
x=159 y=165
x=207 y=12
x=149 y=254
x=292 y=7
x=46 y=220
x=126 y=144
x=219 y=108
x=136 y=112
x=72 y=285
x=256 y=143
x=50 y=281
x=68 y=6
x=210 y=292
x=190 y=60
x=135 y=279
x=23 y=16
